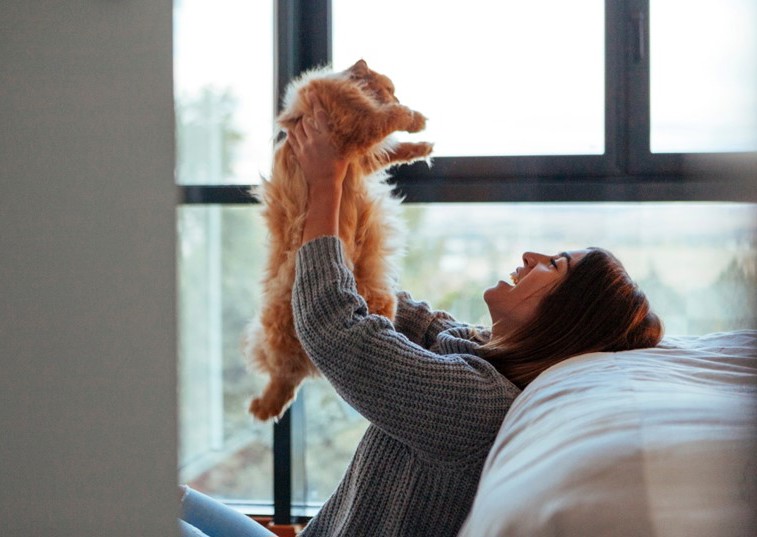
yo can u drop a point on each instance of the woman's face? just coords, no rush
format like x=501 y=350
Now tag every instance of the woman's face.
x=513 y=306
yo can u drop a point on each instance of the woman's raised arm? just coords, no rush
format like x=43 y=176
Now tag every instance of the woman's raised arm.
x=324 y=172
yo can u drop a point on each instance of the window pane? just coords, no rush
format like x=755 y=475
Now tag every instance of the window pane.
x=703 y=75
x=222 y=450
x=696 y=261
x=223 y=80
x=494 y=78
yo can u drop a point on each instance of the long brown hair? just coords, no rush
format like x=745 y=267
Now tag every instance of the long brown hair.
x=597 y=307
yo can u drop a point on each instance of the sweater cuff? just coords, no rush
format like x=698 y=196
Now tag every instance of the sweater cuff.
x=313 y=253
x=418 y=321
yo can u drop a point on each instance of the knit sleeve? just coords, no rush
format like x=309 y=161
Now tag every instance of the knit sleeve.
x=446 y=406
x=418 y=322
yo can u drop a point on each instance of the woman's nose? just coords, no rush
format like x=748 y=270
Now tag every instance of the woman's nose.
x=532 y=258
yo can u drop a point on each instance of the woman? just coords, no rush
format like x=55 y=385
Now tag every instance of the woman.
x=435 y=391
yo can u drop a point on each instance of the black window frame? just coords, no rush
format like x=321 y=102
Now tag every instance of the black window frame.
x=626 y=172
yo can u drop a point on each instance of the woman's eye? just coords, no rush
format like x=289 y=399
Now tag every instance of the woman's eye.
x=553 y=262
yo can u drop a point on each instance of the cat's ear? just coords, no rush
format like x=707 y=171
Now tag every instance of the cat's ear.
x=288 y=120
x=360 y=68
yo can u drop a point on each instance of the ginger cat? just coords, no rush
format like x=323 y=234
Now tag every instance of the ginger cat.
x=363 y=112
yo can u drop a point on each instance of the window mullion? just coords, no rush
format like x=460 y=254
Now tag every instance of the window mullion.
x=637 y=98
x=302 y=41
x=616 y=111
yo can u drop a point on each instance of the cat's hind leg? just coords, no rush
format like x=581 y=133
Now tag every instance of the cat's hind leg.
x=276 y=398
x=279 y=353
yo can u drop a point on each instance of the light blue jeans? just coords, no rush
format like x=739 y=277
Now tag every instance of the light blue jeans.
x=202 y=516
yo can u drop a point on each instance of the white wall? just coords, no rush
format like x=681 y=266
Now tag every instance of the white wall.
x=87 y=323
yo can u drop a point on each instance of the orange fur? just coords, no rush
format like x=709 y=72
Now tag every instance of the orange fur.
x=363 y=113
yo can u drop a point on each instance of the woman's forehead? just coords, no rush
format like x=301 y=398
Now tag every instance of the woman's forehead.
x=574 y=256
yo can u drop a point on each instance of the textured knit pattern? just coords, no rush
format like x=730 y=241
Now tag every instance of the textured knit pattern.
x=434 y=406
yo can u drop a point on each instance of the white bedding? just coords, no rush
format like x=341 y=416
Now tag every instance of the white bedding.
x=653 y=442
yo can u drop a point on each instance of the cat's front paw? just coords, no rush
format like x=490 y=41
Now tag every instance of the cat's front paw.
x=417 y=122
x=424 y=149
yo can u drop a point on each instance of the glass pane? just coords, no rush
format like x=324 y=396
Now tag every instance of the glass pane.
x=494 y=78
x=222 y=450
x=703 y=75
x=223 y=90
x=696 y=261
x=332 y=430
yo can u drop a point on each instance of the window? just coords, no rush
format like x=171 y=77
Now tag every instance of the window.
x=698 y=274
x=703 y=82
x=489 y=75
x=224 y=92
x=612 y=172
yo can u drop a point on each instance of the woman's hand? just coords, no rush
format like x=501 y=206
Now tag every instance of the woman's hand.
x=324 y=171
x=323 y=167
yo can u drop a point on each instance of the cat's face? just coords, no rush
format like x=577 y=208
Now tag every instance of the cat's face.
x=379 y=86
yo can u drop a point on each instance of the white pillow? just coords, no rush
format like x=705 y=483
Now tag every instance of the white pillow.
x=655 y=442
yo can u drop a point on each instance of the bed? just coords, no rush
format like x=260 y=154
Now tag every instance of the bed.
x=653 y=442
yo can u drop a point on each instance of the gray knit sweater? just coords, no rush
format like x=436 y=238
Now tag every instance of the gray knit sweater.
x=434 y=407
